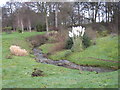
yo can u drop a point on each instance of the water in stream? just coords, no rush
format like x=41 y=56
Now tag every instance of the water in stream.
x=65 y=63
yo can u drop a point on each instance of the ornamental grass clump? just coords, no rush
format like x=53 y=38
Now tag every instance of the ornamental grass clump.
x=77 y=36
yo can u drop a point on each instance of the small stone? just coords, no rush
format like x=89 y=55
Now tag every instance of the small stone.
x=59 y=64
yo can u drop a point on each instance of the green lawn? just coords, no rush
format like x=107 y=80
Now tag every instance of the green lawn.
x=17 y=71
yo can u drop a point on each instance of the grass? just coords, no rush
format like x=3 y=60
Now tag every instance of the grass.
x=0 y=61
x=105 y=48
x=17 y=71
x=60 y=55
x=46 y=48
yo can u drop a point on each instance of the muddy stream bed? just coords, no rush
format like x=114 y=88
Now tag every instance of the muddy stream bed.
x=39 y=56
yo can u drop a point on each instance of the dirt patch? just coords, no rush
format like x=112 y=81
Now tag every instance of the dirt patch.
x=37 y=73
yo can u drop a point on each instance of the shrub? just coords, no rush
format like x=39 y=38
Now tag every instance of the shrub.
x=77 y=46
x=40 y=28
x=102 y=33
x=92 y=34
x=7 y=29
x=60 y=39
x=86 y=41
x=52 y=36
x=37 y=40
x=53 y=28
x=69 y=43
x=77 y=34
x=20 y=31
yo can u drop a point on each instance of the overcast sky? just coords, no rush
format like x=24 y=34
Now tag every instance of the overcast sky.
x=2 y=2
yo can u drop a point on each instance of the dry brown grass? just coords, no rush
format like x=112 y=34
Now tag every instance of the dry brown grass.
x=91 y=33
x=17 y=51
x=59 y=38
x=37 y=40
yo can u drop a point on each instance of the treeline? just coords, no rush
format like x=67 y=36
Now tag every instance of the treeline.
x=52 y=15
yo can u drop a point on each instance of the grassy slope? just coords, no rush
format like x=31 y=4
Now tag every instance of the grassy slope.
x=105 y=48
x=46 y=47
x=17 y=71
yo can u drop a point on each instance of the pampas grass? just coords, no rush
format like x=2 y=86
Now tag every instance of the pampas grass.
x=17 y=51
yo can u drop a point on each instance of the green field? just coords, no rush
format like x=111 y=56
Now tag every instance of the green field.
x=17 y=71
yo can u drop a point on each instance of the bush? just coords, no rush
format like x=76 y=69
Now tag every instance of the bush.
x=69 y=43
x=86 y=41
x=37 y=40
x=7 y=29
x=60 y=39
x=20 y=31
x=41 y=28
x=102 y=33
x=77 y=45
x=53 y=28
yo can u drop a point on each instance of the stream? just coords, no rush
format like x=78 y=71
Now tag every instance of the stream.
x=65 y=63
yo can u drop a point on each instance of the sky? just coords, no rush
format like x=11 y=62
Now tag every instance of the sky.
x=2 y=2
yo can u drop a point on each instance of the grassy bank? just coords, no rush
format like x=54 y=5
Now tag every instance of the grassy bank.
x=17 y=71
x=105 y=48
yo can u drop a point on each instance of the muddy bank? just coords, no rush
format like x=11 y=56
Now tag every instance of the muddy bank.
x=65 y=63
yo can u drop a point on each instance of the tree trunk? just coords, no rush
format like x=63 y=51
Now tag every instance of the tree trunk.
x=102 y=16
x=99 y=16
x=22 y=26
x=96 y=11
x=108 y=17
x=93 y=15
x=106 y=13
x=78 y=13
x=72 y=18
x=46 y=23
x=29 y=23
x=56 y=14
